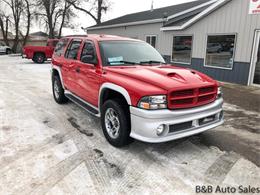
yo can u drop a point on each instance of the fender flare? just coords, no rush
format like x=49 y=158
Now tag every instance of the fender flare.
x=116 y=88
x=59 y=72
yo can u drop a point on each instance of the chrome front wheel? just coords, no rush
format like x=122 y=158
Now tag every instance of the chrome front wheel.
x=112 y=123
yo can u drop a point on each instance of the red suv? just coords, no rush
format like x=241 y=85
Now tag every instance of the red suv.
x=127 y=83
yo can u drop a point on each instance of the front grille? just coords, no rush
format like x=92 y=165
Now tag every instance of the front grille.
x=180 y=127
x=189 y=98
x=175 y=128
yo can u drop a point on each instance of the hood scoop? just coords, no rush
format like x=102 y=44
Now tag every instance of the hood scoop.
x=176 y=76
x=198 y=76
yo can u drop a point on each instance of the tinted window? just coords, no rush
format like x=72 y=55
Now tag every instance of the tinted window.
x=60 y=47
x=88 y=54
x=220 y=51
x=88 y=49
x=73 y=50
x=181 y=51
x=122 y=52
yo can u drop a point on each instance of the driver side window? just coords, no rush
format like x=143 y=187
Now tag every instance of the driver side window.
x=88 y=54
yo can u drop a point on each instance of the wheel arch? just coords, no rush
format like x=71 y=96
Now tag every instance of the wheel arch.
x=113 y=87
x=56 y=70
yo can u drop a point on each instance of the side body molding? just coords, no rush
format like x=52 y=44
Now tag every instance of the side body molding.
x=114 y=87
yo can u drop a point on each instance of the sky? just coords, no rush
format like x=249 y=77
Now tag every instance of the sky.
x=118 y=8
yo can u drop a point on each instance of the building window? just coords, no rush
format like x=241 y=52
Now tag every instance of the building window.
x=182 y=46
x=151 y=39
x=220 y=51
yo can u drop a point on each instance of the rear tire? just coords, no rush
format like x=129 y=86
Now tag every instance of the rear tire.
x=39 y=58
x=58 y=91
x=115 y=121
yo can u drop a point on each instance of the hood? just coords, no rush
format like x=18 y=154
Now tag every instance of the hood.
x=166 y=77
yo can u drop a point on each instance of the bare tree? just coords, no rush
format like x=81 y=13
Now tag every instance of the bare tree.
x=4 y=25
x=16 y=7
x=49 y=13
x=96 y=8
x=55 y=14
x=67 y=14
x=13 y=12
x=28 y=6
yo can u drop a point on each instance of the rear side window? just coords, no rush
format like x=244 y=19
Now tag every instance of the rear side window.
x=72 y=51
x=60 y=47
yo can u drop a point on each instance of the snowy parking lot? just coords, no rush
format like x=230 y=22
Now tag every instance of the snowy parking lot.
x=52 y=149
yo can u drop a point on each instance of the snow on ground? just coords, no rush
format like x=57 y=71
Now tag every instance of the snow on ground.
x=42 y=151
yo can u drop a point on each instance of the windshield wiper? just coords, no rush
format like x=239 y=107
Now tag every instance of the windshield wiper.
x=152 y=62
x=122 y=61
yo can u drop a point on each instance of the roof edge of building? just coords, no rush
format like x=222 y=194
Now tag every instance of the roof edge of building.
x=127 y=24
x=196 y=18
x=158 y=20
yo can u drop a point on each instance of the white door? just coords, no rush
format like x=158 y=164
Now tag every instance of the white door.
x=255 y=62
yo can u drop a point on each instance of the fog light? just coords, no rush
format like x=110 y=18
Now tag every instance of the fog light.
x=160 y=130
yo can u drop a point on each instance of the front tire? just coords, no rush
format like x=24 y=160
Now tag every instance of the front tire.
x=115 y=121
x=58 y=91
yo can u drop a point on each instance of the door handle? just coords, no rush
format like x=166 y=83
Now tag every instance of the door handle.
x=78 y=70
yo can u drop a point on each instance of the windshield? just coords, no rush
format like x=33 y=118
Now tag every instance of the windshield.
x=118 y=53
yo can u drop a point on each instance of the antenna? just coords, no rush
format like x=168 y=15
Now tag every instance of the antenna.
x=152 y=6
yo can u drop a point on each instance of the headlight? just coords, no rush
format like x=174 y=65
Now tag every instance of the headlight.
x=219 y=92
x=153 y=102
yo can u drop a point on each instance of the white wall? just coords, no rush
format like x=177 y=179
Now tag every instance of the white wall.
x=232 y=18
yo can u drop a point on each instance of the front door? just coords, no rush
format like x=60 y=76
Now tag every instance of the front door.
x=88 y=79
x=257 y=65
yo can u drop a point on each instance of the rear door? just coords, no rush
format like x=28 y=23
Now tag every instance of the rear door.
x=69 y=67
x=88 y=78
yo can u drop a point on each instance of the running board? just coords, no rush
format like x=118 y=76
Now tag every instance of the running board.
x=86 y=106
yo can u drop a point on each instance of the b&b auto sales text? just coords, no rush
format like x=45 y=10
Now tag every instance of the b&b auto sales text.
x=227 y=189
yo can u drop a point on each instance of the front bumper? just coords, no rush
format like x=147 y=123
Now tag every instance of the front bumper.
x=145 y=122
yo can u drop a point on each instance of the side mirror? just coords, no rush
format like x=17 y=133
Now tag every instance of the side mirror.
x=89 y=59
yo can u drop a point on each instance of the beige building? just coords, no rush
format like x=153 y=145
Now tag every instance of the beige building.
x=218 y=37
